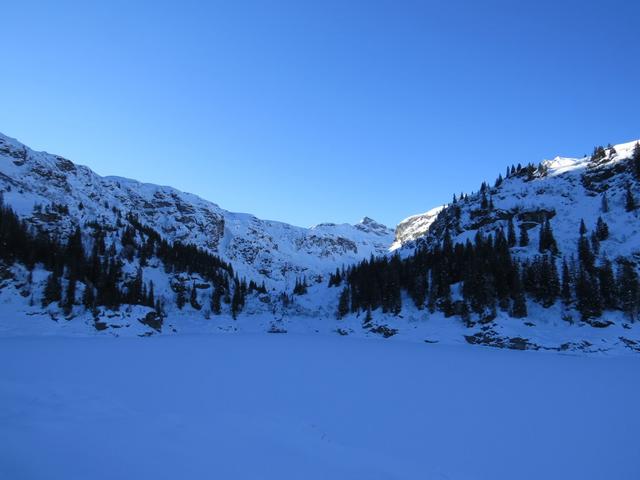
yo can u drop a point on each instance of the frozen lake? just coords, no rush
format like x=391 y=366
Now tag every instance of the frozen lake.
x=299 y=407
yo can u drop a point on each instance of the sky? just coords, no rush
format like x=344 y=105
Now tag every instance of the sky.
x=310 y=112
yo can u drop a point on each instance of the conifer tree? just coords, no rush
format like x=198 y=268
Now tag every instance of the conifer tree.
x=216 y=297
x=88 y=297
x=52 y=290
x=602 y=229
x=629 y=290
x=607 y=283
x=565 y=290
x=524 y=236
x=180 y=297
x=519 y=305
x=343 y=302
x=604 y=204
x=70 y=296
x=630 y=201
x=547 y=240
x=636 y=160
x=511 y=233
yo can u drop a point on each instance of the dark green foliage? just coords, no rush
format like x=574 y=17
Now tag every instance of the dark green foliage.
x=602 y=230
x=52 y=290
x=547 y=241
x=216 y=296
x=524 y=236
x=566 y=288
x=604 y=204
x=343 y=302
x=238 y=298
x=629 y=290
x=630 y=201
x=636 y=160
x=193 y=298
x=335 y=279
x=300 y=287
x=588 y=300
x=511 y=234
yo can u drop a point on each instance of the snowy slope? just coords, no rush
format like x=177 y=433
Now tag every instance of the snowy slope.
x=258 y=249
x=571 y=189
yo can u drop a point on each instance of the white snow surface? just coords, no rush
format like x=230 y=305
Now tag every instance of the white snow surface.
x=291 y=407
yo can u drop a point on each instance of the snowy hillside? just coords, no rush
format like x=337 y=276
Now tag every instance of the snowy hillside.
x=510 y=266
x=565 y=190
x=275 y=252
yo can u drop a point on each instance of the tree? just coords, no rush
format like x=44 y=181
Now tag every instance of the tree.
x=547 y=240
x=511 y=234
x=52 y=290
x=630 y=201
x=607 y=282
x=237 y=300
x=519 y=305
x=300 y=287
x=216 y=296
x=180 y=297
x=636 y=160
x=565 y=290
x=589 y=303
x=604 y=205
x=628 y=289
x=193 y=297
x=343 y=302
x=88 y=297
x=524 y=236
x=602 y=229
x=70 y=296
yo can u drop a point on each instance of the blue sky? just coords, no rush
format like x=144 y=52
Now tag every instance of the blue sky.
x=319 y=111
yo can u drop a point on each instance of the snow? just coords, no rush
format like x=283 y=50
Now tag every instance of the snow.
x=288 y=406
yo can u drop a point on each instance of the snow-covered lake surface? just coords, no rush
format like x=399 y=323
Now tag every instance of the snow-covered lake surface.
x=261 y=406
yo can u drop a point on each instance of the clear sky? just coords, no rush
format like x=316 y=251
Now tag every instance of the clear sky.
x=319 y=111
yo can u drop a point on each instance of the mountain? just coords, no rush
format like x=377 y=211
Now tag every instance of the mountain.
x=563 y=190
x=262 y=250
x=546 y=257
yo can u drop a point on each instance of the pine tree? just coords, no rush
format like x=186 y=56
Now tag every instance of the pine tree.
x=629 y=290
x=70 y=296
x=237 y=300
x=193 y=297
x=589 y=302
x=636 y=160
x=343 y=302
x=607 y=282
x=602 y=229
x=52 y=290
x=151 y=297
x=180 y=297
x=604 y=205
x=565 y=290
x=524 y=236
x=630 y=201
x=511 y=234
x=547 y=240
x=519 y=305
x=216 y=296
x=88 y=297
